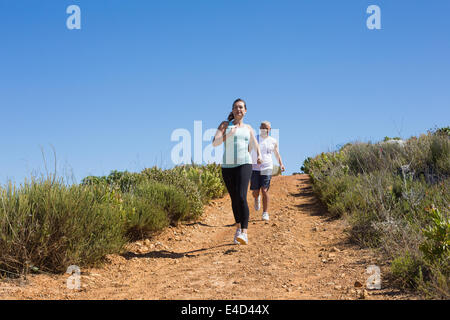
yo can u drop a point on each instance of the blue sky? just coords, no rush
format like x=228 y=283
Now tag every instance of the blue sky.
x=109 y=96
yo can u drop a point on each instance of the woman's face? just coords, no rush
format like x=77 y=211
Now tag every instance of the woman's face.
x=239 y=110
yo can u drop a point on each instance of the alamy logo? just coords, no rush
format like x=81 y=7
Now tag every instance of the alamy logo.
x=374 y=21
x=74 y=20
x=374 y=280
x=182 y=152
x=73 y=282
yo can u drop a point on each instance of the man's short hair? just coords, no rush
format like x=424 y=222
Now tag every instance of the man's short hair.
x=267 y=123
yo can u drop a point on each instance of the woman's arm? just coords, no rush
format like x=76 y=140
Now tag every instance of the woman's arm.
x=254 y=144
x=220 y=135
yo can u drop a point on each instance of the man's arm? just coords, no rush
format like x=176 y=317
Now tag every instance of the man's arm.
x=277 y=155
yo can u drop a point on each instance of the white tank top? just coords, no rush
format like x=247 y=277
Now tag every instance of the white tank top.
x=267 y=146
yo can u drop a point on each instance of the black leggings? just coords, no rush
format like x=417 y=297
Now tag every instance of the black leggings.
x=236 y=180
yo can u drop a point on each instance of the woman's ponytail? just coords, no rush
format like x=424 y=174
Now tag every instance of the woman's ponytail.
x=230 y=116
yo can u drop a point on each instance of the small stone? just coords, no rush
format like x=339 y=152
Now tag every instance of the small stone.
x=143 y=249
x=324 y=260
x=337 y=287
x=315 y=229
x=334 y=249
x=361 y=294
x=358 y=284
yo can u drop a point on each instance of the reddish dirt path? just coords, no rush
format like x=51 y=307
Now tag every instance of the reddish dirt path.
x=299 y=254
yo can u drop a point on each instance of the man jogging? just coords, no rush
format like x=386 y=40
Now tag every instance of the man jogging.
x=262 y=173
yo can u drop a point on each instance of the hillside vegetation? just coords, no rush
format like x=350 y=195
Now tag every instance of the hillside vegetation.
x=395 y=194
x=47 y=225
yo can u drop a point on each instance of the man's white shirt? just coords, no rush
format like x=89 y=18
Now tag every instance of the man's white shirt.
x=267 y=147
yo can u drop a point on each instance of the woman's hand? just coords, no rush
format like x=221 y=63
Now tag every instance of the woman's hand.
x=232 y=131
x=220 y=135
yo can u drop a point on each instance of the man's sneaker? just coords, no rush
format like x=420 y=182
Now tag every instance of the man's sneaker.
x=242 y=238
x=238 y=232
x=258 y=203
x=265 y=216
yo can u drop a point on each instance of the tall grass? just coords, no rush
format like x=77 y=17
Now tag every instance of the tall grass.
x=396 y=197
x=46 y=225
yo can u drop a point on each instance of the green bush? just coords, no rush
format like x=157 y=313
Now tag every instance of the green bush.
x=124 y=181
x=436 y=247
x=167 y=197
x=144 y=216
x=383 y=189
x=208 y=180
x=47 y=225
x=182 y=183
x=407 y=270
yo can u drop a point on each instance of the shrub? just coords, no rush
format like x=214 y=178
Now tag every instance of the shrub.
x=208 y=180
x=182 y=183
x=167 y=197
x=383 y=189
x=143 y=217
x=407 y=270
x=47 y=225
x=436 y=247
x=124 y=181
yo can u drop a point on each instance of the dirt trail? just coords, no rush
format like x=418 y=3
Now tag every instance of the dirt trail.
x=299 y=254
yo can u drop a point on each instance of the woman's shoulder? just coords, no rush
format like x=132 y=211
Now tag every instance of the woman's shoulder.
x=249 y=127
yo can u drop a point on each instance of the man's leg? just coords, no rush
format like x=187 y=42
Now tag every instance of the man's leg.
x=265 y=185
x=265 y=198
x=254 y=187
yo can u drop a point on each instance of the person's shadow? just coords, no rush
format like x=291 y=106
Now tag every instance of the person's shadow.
x=175 y=255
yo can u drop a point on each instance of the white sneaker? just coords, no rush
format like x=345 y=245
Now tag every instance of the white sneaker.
x=258 y=203
x=265 y=216
x=242 y=238
x=238 y=232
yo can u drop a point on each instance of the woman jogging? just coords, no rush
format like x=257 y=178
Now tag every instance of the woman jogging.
x=239 y=139
x=262 y=173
